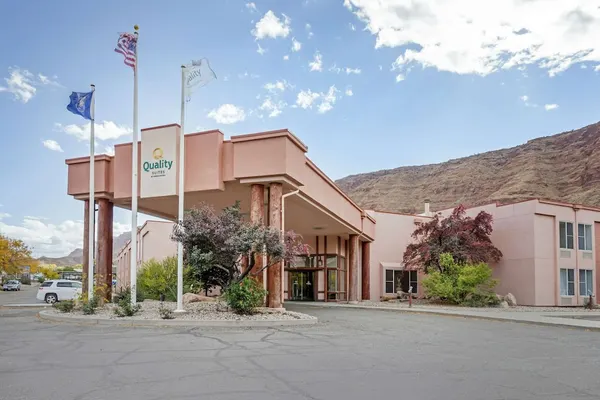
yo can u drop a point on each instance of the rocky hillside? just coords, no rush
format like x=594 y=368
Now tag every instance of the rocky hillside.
x=563 y=167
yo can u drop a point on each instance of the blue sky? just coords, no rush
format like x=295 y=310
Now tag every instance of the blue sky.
x=366 y=85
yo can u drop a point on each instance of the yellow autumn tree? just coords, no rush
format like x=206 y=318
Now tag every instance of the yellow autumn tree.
x=14 y=254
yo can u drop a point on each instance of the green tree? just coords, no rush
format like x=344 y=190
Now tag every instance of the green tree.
x=160 y=277
x=464 y=284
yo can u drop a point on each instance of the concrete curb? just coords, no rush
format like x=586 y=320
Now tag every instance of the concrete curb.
x=40 y=305
x=542 y=320
x=46 y=316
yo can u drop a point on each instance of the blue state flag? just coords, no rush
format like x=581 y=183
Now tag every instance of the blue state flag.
x=81 y=104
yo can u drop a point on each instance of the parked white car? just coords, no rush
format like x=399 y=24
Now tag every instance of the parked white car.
x=12 y=285
x=58 y=290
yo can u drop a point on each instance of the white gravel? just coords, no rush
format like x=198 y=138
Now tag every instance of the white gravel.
x=429 y=306
x=195 y=311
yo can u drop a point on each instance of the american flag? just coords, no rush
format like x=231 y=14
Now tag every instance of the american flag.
x=127 y=45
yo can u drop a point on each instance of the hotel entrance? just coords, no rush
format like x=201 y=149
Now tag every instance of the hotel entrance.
x=303 y=285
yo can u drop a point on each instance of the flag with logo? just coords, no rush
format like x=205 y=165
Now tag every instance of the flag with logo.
x=81 y=104
x=127 y=45
x=197 y=74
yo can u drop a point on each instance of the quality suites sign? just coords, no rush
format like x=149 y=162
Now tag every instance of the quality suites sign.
x=158 y=161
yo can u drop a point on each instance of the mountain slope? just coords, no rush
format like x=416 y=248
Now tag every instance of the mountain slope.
x=76 y=256
x=563 y=167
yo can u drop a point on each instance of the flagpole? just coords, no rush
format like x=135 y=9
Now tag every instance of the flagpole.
x=92 y=201
x=181 y=192
x=134 y=178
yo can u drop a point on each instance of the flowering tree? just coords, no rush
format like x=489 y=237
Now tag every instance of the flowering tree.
x=14 y=254
x=466 y=239
x=215 y=245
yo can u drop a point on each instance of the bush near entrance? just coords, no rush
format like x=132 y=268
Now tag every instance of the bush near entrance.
x=244 y=297
x=462 y=284
x=160 y=277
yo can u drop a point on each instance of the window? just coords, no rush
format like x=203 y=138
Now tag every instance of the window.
x=396 y=280
x=567 y=282
x=584 y=237
x=47 y=284
x=76 y=285
x=586 y=286
x=63 y=284
x=566 y=235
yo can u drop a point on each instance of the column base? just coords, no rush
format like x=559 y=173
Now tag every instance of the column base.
x=353 y=302
x=180 y=311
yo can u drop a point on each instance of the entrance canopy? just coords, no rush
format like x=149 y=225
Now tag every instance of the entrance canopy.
x=221 y=172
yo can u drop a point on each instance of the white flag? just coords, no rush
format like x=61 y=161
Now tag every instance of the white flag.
x=197 y=74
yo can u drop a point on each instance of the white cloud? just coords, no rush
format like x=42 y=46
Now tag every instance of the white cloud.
x=317 y=63
x=53 y=240
x=270 y=26
x=274 y=107
x=525 y=100
x=286 y=57
x=21 y=84
x=277 y=86
x=550 y=107
x=261 y=50
x=52 y=145
x=247 y=75
x=4 y=215
x=306 y=98
x=106 y=130
x=227 y=114
x=309 y=30
x=44 y=80
x=349 y=92
x=110 y=150
x=251 y=6
x=352 y=27
x=296 y=45
x=482 y=37
x=353 y=71
x=597 y=68
x=400 y=77
x=348 y=71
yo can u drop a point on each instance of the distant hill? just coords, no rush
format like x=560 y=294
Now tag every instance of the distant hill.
x=76 y=256
x=563 y=167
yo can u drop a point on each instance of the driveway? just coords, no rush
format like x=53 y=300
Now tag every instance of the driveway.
x=351 y=354
x=25 y=296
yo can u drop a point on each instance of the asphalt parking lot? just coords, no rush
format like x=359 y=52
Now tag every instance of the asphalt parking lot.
x=351 y=354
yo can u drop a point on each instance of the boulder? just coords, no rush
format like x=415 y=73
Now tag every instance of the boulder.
x=503 y=304
x=196 y=298
x=510 y=299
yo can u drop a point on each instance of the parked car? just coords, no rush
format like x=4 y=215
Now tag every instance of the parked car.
x=12 y=285
x=58 y=290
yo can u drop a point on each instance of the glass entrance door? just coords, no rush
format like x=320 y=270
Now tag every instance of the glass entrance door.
x=302 y=285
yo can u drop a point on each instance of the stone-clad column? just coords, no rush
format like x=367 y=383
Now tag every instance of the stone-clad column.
x=353 y=269
x=86 y=248
x=105 y=248
x=257 y=216
x=274 y=272
x=366 y=271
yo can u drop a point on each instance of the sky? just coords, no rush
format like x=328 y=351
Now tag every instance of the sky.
x=365 y=84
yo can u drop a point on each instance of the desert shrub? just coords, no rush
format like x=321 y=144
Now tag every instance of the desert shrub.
x=88 y=306
x=65 y=306
x=165 y=312
x=124 y=307
x=25 y=280
x=244 y=297
x=122 y=292
x=160 y=277
x=464 y=284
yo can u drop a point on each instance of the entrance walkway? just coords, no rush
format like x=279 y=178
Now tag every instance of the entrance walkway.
x=581 y=319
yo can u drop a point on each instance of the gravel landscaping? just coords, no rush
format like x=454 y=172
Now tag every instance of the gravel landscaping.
x=428 y=305
x=195 y=312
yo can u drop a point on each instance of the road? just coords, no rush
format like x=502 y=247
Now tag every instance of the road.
x=351 y=354
x=25 y=296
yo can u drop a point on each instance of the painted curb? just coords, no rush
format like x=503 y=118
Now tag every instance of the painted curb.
x=556 y=320
x=46 y=316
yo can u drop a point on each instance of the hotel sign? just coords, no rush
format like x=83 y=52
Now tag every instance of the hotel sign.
x=158 y=164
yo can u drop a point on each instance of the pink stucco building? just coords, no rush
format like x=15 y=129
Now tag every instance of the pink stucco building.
x=550 y=248
x=153 y=242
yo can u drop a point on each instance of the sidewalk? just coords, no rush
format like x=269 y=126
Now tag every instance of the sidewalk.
x=570 y=319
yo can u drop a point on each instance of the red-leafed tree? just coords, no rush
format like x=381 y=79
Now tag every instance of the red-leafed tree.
x=466 y=239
